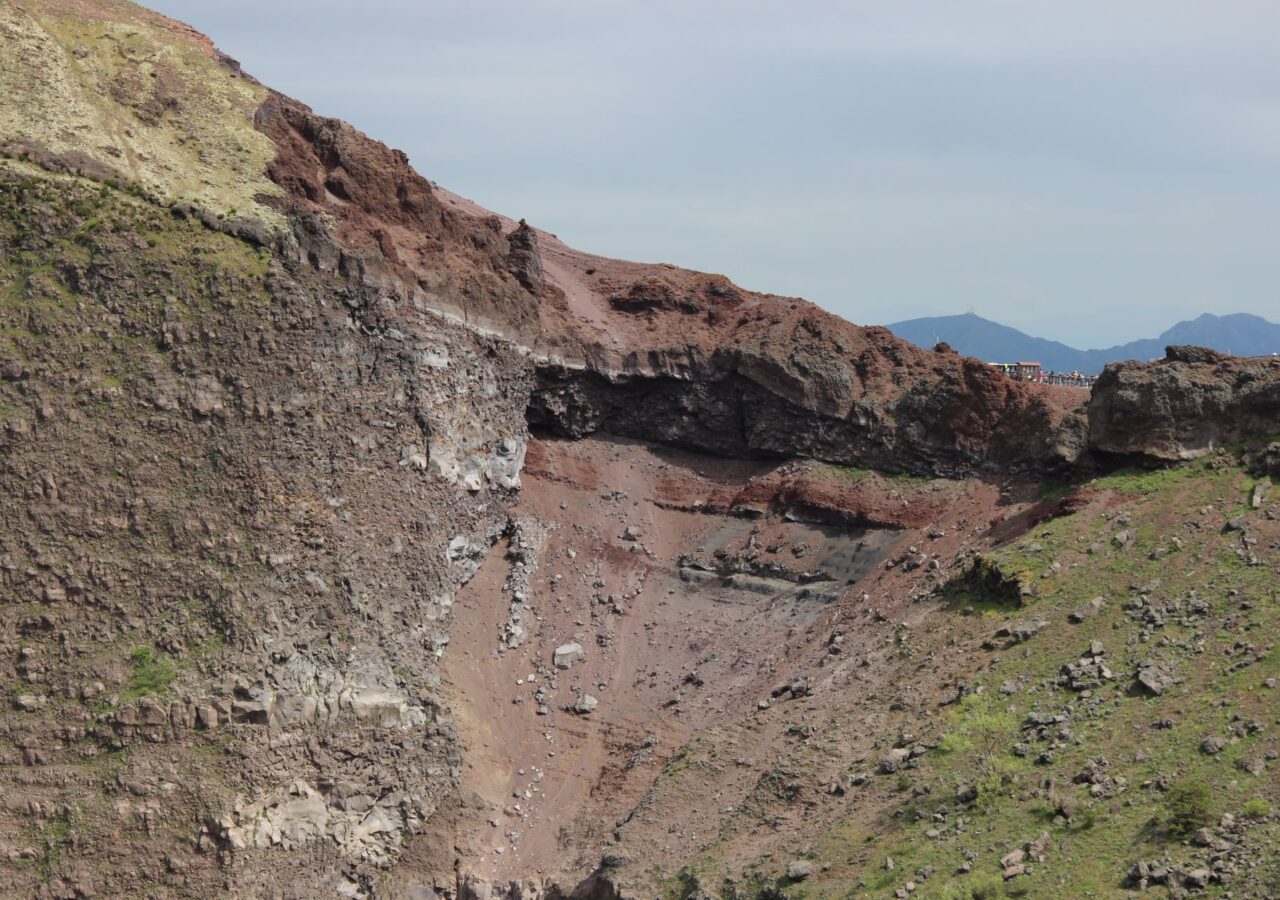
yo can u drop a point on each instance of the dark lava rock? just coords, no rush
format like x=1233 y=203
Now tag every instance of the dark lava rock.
x=1183 y=406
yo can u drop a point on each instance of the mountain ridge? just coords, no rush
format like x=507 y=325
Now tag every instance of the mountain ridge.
x=1241 y=334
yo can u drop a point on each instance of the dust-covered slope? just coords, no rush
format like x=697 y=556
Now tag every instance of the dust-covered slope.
x=122 y=93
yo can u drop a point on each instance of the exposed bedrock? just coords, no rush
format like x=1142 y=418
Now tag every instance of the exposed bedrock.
x=655 y=351
x=373 y=218
x=1183 y=406
x=263 y=402
x=596 y=886
x=955 y=421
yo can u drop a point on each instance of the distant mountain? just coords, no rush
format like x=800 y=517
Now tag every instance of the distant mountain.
x=971 y=335
x=975 y=336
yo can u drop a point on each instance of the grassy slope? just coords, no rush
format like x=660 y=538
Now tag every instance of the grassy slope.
x=1091 y=852
x=1223 y=657
x=138 y=94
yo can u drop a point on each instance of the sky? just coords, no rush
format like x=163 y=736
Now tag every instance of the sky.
x=1090 y=171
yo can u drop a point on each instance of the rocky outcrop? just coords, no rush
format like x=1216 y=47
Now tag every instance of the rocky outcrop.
x=1267 y=460
x=390 y=228
x=596 y=886
x=524 y=259
x=885 y=407
x=1183 y=406
x=312 y=473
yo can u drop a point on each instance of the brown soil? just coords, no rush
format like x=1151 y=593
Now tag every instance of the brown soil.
x=668 y=658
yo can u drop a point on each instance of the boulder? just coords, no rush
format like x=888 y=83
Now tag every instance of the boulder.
x=1212 y=746
x=1087 y=611
x=1086 y=673
x=567 y=654
x=1022 y=631
x=585 y=705
x=1157 y=677
x=1013 y=858
x=1267 y=461
x=894 y=760
x=29 y=702
x=1261 y=491
x=1197 y=879
x=1183 y=406
x=800 y=869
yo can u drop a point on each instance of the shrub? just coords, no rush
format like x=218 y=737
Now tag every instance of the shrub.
x=1257 y=808
x=986 y=726
x=753 y=886
x=686 y=885
x=150 y=675
x=989 y=581
x=986 y=886
x=990 y=786
x=1188 y=807
x=954 y=742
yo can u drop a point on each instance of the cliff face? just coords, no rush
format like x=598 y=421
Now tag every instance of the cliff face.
x=656 y=351
x=240 y=483
x=866 y=411
x=238 y=500
x=357 y=541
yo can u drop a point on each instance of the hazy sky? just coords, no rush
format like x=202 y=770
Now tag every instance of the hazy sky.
x=1090 y=171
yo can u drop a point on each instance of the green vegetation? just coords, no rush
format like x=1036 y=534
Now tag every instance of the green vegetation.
x=998 y=782
x=1187 y=808
x=994 y=582
x=1149 y=481
x=848 y=474
x=1256 y=808
x=986 y=729
x=685 y=886
x=857 y=475
x=151 y=676
x=984 y=886
x=752 y=886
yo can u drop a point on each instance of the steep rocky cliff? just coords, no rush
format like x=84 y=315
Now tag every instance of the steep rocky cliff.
x=357 y=541
x=237 y=501
x=653 y=350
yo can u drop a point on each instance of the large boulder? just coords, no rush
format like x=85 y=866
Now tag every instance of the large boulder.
x=568 y=654
x=1183 y=406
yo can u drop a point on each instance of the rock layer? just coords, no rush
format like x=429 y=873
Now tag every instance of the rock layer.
x=657 y=351
x=885 y=408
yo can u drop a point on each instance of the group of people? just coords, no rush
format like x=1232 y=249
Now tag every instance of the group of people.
x=1031 y=371
x=1068 y=379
